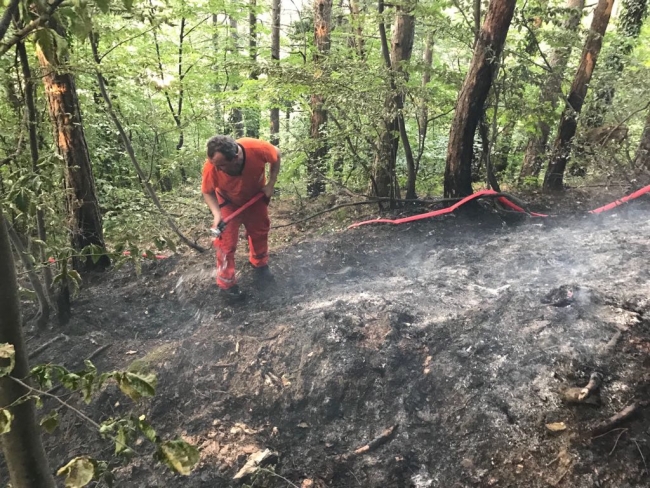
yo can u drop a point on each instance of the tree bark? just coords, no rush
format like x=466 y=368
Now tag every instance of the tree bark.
x=22 y=446
x=85 y=217
x=553 y=179
x=359 y=41
x=630 y=22
x=548 y=97
x=316 y=165
x=235 y=118
x=252 y=117
x=33 y=149
x=423 y=116
x=276 y=9
x=471 y=100
x=394 y=126
x=43 y=315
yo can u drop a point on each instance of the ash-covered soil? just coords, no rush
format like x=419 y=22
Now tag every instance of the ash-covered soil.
x=462 y=333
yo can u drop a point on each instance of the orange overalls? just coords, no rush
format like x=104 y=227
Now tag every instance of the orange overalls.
x=234 y=191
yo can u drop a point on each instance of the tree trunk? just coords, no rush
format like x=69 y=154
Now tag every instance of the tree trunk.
x=33 y=149
x=275 y=57
x=642 y=158
x=359 y=42
x=630 y=22
x=252 y=118
x=235 y=118
x=401 y=49
x=22 y=446
x=471 y=100
x=553 y=179
x=82 y=205
x=316 y=164
x=548 y=97
x=394 y=126
x=423 y=116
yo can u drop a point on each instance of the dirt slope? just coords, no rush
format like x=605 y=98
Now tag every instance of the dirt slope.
x=439 y=328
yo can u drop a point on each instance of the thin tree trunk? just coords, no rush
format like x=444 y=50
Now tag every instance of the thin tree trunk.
x=553 y=179
x=359 y=41
x=33 y=149
x=83 y=207
x=548 y=96
x=42 y=317
x=423 y=117
x=471 y=100
x=22 y=446
x=630 y=22
x=129 y=149
x=394 y=126
x=275 y=57
x=252 y=118
x=316 y=165
x=235 y=119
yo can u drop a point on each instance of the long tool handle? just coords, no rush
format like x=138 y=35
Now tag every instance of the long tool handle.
x=243 y=207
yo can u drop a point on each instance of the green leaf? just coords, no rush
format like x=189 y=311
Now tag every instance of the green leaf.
x=50 y=422
x=179 y=456
x=121 y=440
x=136 y=386
x=103 y=5
x=5 y=420
x=147 y=429
x=128 y=4
x=7 y=359
x=78 y=472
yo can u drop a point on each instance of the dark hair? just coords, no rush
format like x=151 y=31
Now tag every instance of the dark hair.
x=226 y=145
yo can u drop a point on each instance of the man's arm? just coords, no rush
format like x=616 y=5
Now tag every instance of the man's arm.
x=213 y=203
x=273 y=178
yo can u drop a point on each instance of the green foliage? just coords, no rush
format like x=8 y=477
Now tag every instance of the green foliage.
x=178 y=455
x=7 y=359
x=6 y=417
x=78 y=472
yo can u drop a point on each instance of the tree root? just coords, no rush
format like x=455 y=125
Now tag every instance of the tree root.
x=618 y=418
x=379 y=441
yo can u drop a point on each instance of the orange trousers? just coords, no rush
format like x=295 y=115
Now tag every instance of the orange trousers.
x=257 y=224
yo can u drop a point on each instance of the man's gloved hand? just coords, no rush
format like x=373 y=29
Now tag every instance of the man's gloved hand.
x=216 y=231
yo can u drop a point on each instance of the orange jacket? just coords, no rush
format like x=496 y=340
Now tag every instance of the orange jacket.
x=239 y=189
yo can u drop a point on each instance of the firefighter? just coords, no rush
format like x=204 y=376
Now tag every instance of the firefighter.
x=233 y=173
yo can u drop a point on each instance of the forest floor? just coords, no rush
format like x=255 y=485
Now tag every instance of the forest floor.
x=460 y=334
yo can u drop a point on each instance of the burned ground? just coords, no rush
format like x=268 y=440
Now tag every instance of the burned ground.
x=462 y=333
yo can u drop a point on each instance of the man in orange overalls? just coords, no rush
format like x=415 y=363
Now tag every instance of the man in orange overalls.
x=233 y=173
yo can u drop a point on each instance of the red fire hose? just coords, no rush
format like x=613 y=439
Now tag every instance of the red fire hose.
x=502 y=200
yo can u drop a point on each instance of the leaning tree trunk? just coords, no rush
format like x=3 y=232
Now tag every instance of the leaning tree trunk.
x=82 y=205
x=548 y=96
x=630 y=22
x=22 y=446
x=553 y=179
x=316 y=163
x=471 y=100
x=33 y=149
x=275 y=57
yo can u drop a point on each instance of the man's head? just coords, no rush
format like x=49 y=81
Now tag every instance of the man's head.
x=223 y=153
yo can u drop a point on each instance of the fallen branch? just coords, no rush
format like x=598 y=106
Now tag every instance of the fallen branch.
x=379 y=441
x=617 y=419
x=42 y=348
x=98 y=351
